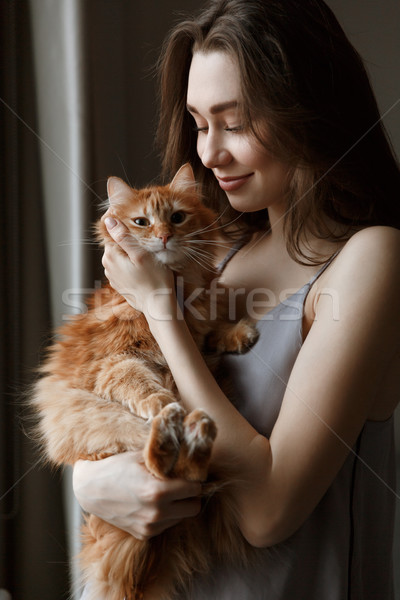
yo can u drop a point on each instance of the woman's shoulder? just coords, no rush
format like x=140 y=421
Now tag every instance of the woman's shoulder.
x=371 y=254
x=364 y=276
x=377 y=239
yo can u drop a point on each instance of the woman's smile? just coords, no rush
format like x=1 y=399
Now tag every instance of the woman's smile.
x=231 y=184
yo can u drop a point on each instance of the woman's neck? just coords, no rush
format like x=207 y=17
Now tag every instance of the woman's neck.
x=312 y=245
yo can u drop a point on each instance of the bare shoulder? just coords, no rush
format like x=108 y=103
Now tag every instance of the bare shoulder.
x=363 y=281
x=371 y=258
x=375 y=240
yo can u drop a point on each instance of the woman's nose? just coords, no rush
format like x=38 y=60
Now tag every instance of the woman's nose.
x=212 y=151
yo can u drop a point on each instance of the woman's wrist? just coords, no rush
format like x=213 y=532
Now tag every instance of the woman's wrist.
x=161 y=306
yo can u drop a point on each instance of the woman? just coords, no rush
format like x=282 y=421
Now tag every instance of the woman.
x=271 y=105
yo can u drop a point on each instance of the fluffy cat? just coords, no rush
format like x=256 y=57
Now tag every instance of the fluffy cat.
x=105 y=388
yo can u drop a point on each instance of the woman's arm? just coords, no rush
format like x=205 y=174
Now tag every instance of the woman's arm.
x=330 y=394
x=338 y=379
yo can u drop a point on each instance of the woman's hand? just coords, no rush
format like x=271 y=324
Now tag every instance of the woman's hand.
x=121 y=491
x=145 y=283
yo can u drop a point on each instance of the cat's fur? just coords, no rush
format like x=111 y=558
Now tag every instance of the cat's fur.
x=106 y=388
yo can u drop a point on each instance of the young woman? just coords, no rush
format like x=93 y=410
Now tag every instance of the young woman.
x=271 y=105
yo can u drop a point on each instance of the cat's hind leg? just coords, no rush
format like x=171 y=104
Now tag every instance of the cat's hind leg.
x=163 y=445
x=180 y=444
x=199 y=433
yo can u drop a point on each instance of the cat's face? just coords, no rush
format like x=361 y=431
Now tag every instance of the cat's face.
x=169 y=221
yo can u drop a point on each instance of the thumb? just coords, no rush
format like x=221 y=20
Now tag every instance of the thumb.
x=119 y=233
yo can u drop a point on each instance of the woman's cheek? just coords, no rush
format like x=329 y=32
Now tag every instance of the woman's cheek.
x=200 y=147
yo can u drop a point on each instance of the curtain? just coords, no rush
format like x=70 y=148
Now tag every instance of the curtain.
x=32 y=530
x=60 y=72
x=77 y=104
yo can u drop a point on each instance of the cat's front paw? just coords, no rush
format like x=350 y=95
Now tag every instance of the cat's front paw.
x=163 y=445
x=242 y=336
x=153 y=404
x=236 y=338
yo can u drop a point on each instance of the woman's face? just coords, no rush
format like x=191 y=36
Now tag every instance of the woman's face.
x=251 y=178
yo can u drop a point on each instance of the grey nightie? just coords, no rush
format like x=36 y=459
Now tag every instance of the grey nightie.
x=344 y=549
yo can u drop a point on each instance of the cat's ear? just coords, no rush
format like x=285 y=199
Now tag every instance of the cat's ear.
x=117 y=190
x=183 y=179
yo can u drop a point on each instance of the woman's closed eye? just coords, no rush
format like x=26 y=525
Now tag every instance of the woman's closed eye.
x=235 y=129
x=199 y=129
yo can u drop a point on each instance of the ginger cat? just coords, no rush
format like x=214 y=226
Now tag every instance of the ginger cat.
x=105 y=388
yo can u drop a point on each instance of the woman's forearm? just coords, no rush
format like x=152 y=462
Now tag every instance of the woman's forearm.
x=237 y=442
x=197 y=386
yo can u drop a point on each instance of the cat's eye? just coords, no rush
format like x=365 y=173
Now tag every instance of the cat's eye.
x=141 y=221
x=178 y=217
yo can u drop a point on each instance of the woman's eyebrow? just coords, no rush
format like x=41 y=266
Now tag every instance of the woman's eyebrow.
x=216 y=108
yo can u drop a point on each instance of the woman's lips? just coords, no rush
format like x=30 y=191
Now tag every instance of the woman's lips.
x=230 y=184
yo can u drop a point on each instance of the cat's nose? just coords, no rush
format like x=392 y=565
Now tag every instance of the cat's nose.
x=164 y=237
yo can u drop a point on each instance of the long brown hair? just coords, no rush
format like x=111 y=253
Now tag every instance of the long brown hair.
x=302 y=78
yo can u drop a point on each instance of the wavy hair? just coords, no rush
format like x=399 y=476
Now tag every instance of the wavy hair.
x=307 y=98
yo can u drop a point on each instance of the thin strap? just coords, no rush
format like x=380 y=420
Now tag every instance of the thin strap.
x=231 y=253
x=322 y=269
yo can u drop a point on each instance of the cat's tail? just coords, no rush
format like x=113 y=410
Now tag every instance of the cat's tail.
x=117 y=566
x=221 y=517
x=112 y=562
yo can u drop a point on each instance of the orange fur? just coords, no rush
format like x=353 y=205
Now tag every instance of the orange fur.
x=106 y=388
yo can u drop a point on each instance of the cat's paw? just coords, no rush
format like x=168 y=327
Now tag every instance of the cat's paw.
x=236 y=338
x=163 y=445
x=199 y=433
x=153 y=404
x=242 y=337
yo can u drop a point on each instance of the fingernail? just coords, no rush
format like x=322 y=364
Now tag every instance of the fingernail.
x=110 y=222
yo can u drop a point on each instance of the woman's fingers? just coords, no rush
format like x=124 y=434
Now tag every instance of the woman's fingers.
x=180 y=489
x=184 y=509
x=120 y=490
x=121 y=236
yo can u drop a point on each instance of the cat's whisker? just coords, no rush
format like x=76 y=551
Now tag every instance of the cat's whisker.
x=202 y=262
x=207 y=258
x=198 y=252
x=87 y=242
x=212 y=243
x=210 y=226
x=196 y=244
x=207 y=227
x=103 y=206
x=205 y=261
x=203 y=266
x=201 y=251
